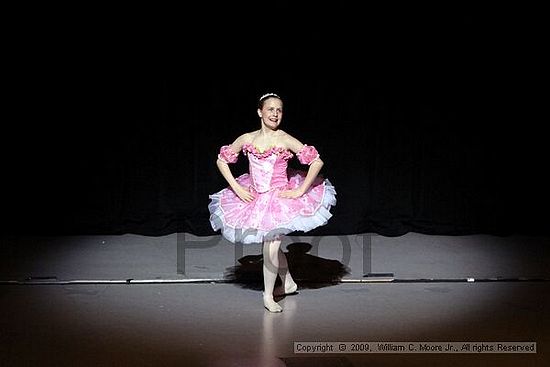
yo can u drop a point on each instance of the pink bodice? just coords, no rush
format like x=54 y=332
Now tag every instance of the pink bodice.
x=268 y=170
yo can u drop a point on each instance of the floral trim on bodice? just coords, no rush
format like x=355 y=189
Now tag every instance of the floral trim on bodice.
x=306 y=155
x=280 y=151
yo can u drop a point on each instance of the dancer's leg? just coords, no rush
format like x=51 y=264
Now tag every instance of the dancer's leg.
x=270 y=271
x=288 y=284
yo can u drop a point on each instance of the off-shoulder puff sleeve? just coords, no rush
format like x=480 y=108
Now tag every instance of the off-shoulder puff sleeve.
x=227 y=155
x=307 y=154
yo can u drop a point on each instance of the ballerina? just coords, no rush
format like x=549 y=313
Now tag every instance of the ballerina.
x=271 y=200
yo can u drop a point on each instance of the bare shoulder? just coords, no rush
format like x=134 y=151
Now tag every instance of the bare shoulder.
x=242 y=140
x=247 y=137
x=291 y=142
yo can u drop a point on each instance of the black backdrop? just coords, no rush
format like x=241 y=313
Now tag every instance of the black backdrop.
x=427 y=122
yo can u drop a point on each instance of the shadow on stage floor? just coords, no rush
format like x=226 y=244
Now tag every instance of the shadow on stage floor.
x=308 y=271
x=78 y=301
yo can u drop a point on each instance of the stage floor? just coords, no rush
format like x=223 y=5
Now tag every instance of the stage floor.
x=46 y=320
x=226 y=325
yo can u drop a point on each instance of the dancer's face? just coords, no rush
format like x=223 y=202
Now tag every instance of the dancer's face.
x=271 y=113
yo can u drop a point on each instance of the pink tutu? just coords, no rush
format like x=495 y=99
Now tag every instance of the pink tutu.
x=270 y=216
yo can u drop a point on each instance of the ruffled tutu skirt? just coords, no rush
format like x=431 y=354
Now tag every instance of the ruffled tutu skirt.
x=269 y=216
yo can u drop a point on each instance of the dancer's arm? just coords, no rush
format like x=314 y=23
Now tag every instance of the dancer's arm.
x=232 y=152
x=308 y=156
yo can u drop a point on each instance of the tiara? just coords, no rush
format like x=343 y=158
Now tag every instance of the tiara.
x=269 y=95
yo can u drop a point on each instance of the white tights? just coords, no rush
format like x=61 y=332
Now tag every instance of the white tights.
x=275 y=263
